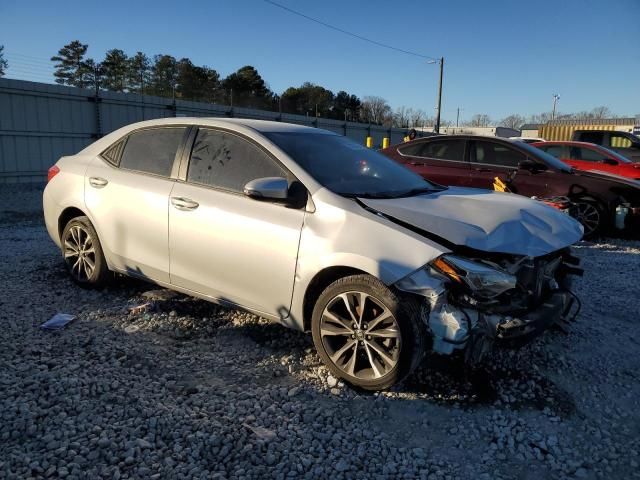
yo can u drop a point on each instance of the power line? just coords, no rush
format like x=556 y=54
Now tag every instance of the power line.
x=355 y=35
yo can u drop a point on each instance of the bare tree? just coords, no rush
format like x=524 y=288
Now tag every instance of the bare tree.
x=401 y=117
x=417 y=118
x=512 y=121
x=375 y=110
x=480 y=120
x=601 y=112
x=543 y=117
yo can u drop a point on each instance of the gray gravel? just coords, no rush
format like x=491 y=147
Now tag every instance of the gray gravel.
x=186 y=389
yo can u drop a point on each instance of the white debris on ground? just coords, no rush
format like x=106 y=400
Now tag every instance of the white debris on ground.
x=165 y=386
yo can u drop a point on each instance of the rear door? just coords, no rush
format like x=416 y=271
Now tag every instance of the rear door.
x=224 y=244
x=127 y=192
x=443 y=160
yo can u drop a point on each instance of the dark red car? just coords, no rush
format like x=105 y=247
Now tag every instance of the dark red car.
x=602 y=201
x=589 y=156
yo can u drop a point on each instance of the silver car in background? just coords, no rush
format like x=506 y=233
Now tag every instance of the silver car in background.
x=313 y=230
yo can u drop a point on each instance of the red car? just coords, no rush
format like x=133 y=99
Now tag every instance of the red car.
x=589 y=156
x=475 y=161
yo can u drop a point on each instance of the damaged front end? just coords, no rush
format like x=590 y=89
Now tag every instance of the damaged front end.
x=475 y=301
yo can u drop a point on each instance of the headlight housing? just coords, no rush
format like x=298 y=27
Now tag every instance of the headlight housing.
x=483 y=280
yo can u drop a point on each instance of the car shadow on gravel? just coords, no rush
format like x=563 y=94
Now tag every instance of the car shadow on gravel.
x=440 y=380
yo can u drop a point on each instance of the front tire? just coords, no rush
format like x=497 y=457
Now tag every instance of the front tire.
x=367 y=334
x=83 y=255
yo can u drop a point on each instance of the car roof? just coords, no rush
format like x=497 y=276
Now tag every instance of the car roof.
x=570 y=142
x=456 y=136
x=258 y=125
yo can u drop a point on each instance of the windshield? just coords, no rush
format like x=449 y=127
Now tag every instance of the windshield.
x=545 y=157
x=348 y=168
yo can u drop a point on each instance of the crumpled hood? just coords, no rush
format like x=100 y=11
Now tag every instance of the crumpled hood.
x=485 y=220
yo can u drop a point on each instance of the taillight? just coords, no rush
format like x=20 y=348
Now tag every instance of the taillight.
x=53 y=171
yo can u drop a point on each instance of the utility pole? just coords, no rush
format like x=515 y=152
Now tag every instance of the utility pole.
x=436 y=129
x=458 y=118
x=556 y=97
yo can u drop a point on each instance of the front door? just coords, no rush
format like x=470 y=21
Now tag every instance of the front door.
x=491 y=159
x=224 y=244
x=127 y=193
x=585 y=158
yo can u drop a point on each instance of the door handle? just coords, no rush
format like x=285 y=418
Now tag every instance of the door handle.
x=182 y=203
x=480 y=169
x=417 y=164
x=97 y=182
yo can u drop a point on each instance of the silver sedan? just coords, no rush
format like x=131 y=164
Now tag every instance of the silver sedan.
x=311 y=229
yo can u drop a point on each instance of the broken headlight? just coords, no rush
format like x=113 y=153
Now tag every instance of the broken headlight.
x=483 y=281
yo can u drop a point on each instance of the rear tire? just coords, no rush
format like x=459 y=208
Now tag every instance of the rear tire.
x=367 y=334
x=83 y=255
x=592 y=216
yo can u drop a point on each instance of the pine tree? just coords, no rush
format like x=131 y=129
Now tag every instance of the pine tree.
x=163 y=75
x=138 y=73
x=211 y=90
x=93 y=74
x=70 y=67
x=115 y=69
x=3 y=62
x=248 y=87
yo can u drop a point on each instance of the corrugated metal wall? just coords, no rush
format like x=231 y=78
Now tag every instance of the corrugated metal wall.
x=40 y=123
x=565 y=132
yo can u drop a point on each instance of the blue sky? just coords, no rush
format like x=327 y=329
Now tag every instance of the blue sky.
x=501 y=57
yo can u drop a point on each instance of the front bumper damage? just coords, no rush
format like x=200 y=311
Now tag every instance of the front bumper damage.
x=456 y=324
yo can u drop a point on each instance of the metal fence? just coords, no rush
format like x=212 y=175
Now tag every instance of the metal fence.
x=40 y=122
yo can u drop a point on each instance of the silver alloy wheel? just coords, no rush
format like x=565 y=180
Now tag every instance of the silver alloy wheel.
x=589 y=216
x=79 y=253
x=360 y=335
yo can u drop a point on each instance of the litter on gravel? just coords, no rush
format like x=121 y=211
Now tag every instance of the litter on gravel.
x=58 y=321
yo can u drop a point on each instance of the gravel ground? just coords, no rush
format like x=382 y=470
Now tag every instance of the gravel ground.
x=188 y=389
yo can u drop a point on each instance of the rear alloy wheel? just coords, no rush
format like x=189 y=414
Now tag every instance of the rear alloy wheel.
x=590 y=216
x=82 y=253
x=365 y=334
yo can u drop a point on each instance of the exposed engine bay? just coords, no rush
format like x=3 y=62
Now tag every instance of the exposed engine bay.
x=474 y=302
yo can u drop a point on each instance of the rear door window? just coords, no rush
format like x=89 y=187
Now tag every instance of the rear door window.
x=152 y=150
x=558 y=151
x=586 y=155
x=444 y=150
x=440 y=150
x=491 y=153
x=223 y=160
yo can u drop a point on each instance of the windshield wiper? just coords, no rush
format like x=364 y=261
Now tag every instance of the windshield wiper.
x=417 y=191
x=392 y=193
x=401 y=194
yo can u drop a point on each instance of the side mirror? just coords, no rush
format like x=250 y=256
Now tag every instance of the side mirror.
x=531 y=166
x=274 y=188
x=609 y=161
